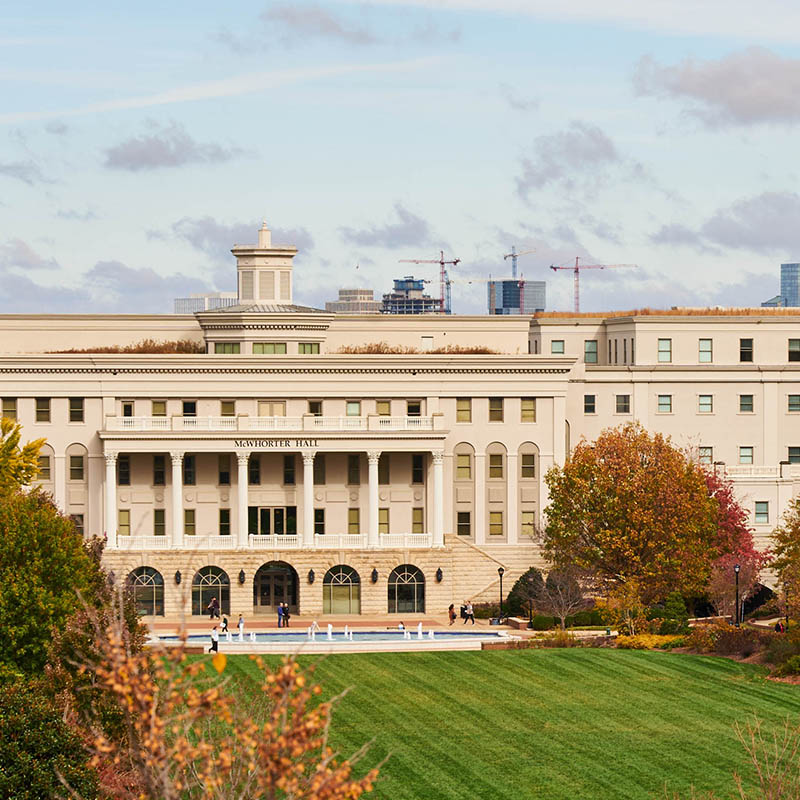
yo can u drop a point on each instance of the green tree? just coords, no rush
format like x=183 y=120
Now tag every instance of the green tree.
x=18 y=465
x=632 y=508
x=524 y=593
x=786 y=557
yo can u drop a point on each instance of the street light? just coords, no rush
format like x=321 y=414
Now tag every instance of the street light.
x=736 y=570
x=500 y=572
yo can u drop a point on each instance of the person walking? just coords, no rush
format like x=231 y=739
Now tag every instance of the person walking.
x=240 y=626
x=464 y=611
x=451 y=613
x=224 y=627
x=470 y=613
x=214 y=640
x=213 y=608
x=280 y=615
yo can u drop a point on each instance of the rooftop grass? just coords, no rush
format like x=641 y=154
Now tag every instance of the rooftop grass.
x=572 y=723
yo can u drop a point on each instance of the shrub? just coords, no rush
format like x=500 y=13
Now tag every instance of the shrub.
x=789 y=667
x=560 y=639
x=731 y=641
x=486 y=610
x=36 y=745
x=766 y=611
x=701 y=638
x=648 y=641
x=783 y=647
x=543 y=623
x=146 y=346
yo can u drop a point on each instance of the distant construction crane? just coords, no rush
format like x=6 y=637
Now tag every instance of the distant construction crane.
x=514 y=255
x=444 y=279
x=576 y=268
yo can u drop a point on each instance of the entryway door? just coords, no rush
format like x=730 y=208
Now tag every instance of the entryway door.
x=272 y=521
x=274 y=583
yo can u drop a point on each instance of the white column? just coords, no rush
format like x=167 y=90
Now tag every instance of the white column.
x=60 y=481
x=512 y=523
x=111 y=499
x=373 y=540
x=308 y=498
x=242 y=539
x=560 y=430
x=177 y=499
x=438 y=498
x=480 y=498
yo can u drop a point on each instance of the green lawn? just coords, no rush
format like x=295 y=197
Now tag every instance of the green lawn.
x=573 y=723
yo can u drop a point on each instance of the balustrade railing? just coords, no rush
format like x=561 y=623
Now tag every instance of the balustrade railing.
x=242 y=423
x=328 y=541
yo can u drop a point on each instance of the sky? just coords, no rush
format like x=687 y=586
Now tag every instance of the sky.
x=140 y=142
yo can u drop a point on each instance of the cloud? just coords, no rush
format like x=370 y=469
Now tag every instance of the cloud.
x=56 y=127
x=170 y=147
x=744 y=88
x=408 y=230
x=18 y=254
x=304 y=21
x=25 y=171
x=516 y=101
x=77 y=216
x=763 y=223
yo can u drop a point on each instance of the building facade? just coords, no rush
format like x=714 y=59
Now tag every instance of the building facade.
x=354 y=301
x=516 y=296
x=408 y=297
x=281 y=466
x=204 y=302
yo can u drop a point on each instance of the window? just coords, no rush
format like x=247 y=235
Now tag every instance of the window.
x=794 y=402
x=353 y=408
x=794 y=455
x=616 y=344
x=417 y=468
x=528 y=465
x=224 y=522
x=289 y=470
x=308 y=348
x=624 y=351
x=609 y=351
x=527 y=525
x=705 y=352
x=706 y=455
x=9 y=407
x=43 y=409
x=77 y=521
x=417 y=520
x=341 y=591
x=664 y=351
x=159 y=408
x=124 y=522
x=319 y=469
x=495 y=523
x=189 y=471
x=254 y=469
x=590 y=351
x=189 y=408
x=271 y=408
x=123 y=470
x=147 y=587
x=633 y=360
x=495 y=465
x=76 y=409
x=589 y=405
x=745 y=349
x=406 y=590
x=745 y=403
x=319 y=521
x=557 y=347
x=383 y=408
x=528 y=409
x=762 y=512
x=746 y=455
x=623 y=404
x=413 y=408
x=384 y=468
x=353 y=521
x=463 y=409
x=188 y=522
x=227 y=408
x=794 y=349
x=463 y=466
x=211 y=582
x=76 y=468
x=127 y=408
x=665 y=404
x=495 y=409
x=224 y=469
x=269 y=348
x=464 y=523
x=159 y=470
x=315 y=408
x=353 y=469
x=227 y=348
x=383 y=520
x=705 y=403
x=44 y=468
x=159 y=522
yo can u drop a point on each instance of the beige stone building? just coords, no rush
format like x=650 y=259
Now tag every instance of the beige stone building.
x=273 y=467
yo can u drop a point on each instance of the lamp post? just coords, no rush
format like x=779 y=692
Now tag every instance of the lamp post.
x=500 y=572
x=736 y=570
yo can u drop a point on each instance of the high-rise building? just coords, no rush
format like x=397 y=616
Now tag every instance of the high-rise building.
x=408 y=297
x=790 y=284
x=204 y=302
x=516 y=296
x=355 y=301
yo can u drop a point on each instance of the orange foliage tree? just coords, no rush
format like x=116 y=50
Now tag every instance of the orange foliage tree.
x=632 y=510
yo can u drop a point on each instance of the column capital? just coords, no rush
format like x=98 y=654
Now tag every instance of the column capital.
x=110 y=457
x=373 y=456
x=177 y=457
x=438 y=456
x=308 y=456
x=242 y=458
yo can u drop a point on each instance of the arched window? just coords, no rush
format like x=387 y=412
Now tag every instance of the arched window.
x=406 y=590
x=211 y=582
x=147 y=586
x=341 y=591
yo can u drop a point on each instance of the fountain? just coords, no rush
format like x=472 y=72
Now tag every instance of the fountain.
x=330 y=632
x=228 y=636
x=430 y=634
x=419 y=631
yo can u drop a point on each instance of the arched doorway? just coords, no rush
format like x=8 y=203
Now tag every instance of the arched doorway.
x=341 y=591
x=275 y=582
x=147 y=587
x=211 y=582
x=406 y=590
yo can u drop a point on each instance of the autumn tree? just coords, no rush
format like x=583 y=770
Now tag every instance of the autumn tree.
x=631 y=507
x=562 y=594
x=786 y=556
x=18 y=463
